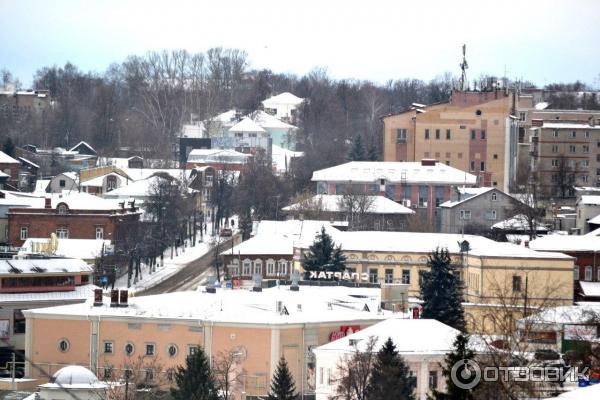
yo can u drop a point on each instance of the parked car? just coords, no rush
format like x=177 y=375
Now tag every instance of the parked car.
x=226 y=232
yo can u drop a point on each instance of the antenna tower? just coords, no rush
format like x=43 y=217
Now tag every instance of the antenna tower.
x=463 y=67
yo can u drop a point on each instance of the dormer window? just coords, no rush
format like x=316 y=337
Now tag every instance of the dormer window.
x=62 y=209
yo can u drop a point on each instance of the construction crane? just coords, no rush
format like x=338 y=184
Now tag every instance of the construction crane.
x=463 y=67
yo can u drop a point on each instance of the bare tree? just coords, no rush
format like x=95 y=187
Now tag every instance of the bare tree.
x=354 y=372
x=356 y=207
x=228 y=371
x=136 y=378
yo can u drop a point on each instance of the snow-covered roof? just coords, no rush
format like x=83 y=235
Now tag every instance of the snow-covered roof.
x=595 y=220
x=82 y=143
x=590 y=289
x=75 y=201
x=144 y=173
x=6 y=159
x=566 y=243
x=26 y=161
x=331 y=203
x=518 y=223
x=569 y=125
x=86 y=249
x=41 y=185
x=564 y=314
x=595 y=232
x=580 y=393
x=78 y=295
x=73 y=377
x=99 y=180
x=589 y=200
x=308 y=305
x=415 y=242
x=394 y=172
x=282 y=98
x=137 y=189
x=299 y=230
x=225 y=117
x=247 y=125
x=466 y=193
x=264 y=244
x=48 y=266
x=414 y=336
x=3 y=175
x=541 y=105
x=267 y=121
x=282 y=157
x=74 y=176
x=227 y=156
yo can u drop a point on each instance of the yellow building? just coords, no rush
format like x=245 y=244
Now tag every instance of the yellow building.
x=494 y=273
x=473 y=131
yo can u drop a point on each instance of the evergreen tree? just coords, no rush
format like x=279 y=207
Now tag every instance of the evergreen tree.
x=357 y=151
x=373 y=153
x=8 y=147
x=459 y=353
x=282 y=384
x=324 y=255
x=441 y=291
x=390 y=377
x=195 y=381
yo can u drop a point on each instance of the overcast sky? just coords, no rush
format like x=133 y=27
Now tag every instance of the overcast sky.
x=543 y=41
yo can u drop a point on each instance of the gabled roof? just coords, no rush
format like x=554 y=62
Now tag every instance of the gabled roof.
x=517 y=223
x=466 y=194
x=26 y=161
x=331 y=203
x=267 y=121
x=589 y=200
x=566 y=243
x=218 y=156
x=265 y=245
x=394 y=172
x=6 y=159
x=41 y=266
x=282 y=98
x=98 y=181
x=247 y=125
x=82 y=143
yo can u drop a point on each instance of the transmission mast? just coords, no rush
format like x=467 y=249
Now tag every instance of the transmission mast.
x=463 y=67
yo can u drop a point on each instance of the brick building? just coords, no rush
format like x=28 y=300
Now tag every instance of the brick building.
x=10 y=167
x=73 y=216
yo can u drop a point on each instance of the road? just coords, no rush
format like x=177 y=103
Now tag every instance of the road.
x=189 y=277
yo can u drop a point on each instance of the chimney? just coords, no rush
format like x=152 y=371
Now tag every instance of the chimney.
x=114 y=298
x=123 y=298
x=47 y=202
x=97 y=297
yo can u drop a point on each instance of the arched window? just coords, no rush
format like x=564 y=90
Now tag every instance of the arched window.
x=62 y=209
x=390 y=259
x=406 y=260
x=588 y=273
x=247 y=267
x=423 y=260
x=282 y=267
x=234 y=267
x=270 y=267
x=111 y=183
x=258 y=267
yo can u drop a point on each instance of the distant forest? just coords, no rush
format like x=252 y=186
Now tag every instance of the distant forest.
x=143 y=102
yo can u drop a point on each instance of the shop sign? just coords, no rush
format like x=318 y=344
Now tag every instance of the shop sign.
x=329 y=275
x=580 y=332
x=343 y=332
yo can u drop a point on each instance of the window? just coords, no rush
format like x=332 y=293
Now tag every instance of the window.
x=62 y=183
x=459 y=155
x=423 y=195
x=472 y=166
x=490 y=215
x=585 y=148
x=465 y=214
x=573 y=134
x=495 y=156
x=321 y=376
x=257 y=267
x=62 y=209
x=494 y=196
x=246 y=266
x=111 y=183
x=282 y=267
x=99 y=232
x=252 y=135
x=400 y=135
x=587 y=134
x=63 y=345
x=108 y=347
x=192 y=349
x=129 y=349
x=482 y=166
x=554 y=148
x=172 y=350
x=270 y=267
x=62 y=233
x=473 y=134
x=18 y=322
x=406 y=276
x=522 y=116
x=585 y=178
x=516 y=283
x=24 y=233
x=448 y=134
x=576 y=273
x=108 y=373
x=149 y=349
x=554 y=178
x=598 y=274
x=372 y=275
x=483 y=135
x=426 y=133
x=234 y=269
x=588 y=273
x=437 y=134
x=572 y=148
x=555 y=162
x=149 y=375
x=433 y=379
x=439 y=195
x=389 y=276
x=555 y=133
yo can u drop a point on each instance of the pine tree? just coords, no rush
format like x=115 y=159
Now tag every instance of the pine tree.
x=357 y=151
x=8 y=147
x=441 y=291
x=390 y=377
x=195 y=381
x=459 y=353
x=324 y=255
x=282 y=384
x=373 y=153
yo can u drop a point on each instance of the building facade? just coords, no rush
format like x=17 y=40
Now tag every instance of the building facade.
x=473 y=131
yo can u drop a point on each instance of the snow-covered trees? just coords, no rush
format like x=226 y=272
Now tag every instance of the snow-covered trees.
x=323 y=255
